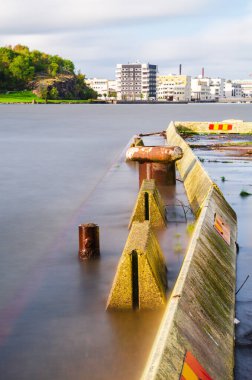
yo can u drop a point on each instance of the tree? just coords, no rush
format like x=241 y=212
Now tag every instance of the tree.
x=43 y=91
x=53 y=93
x=21 y=68
x=68 y=66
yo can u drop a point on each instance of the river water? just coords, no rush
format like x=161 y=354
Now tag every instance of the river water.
x=62 y=165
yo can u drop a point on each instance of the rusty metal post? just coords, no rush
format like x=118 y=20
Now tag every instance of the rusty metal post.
x=164 y=174
x=156 y=162
x=89 y=246
x=158 y=154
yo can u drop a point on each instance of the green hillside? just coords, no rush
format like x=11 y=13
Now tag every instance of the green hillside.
x=48 y=76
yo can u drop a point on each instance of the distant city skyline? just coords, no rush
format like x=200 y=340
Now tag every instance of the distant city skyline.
x=97 y=35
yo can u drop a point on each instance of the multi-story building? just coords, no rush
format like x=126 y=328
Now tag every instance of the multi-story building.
x=200 y=89
x=246 y=87
x=232 y=90
x=174 y=87
x=136 y=81
x=204 y=88
x=104 y=87
x=217 y=86
x=99 y=85
x=112 y=88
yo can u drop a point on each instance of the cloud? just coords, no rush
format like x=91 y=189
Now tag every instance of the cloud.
x=224 y=45
x=96 y=35
x=29 y=17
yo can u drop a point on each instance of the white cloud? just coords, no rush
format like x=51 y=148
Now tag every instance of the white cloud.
x=40 y=17
x=96 y=34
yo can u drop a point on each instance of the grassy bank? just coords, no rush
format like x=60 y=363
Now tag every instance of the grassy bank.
x=29 y=97
x=20 y=97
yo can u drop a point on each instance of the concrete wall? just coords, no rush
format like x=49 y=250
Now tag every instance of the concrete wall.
x=196 y=180
x=199 y=317
x=235 y=126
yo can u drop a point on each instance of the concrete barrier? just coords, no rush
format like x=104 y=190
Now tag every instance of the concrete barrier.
x=196 y=180
x=196 y=336
x=149 y=205
x=199 y=319
x=140 y=281
x=137 y=141
x=225 y=126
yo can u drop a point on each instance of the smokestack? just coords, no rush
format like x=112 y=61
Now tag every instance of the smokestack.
x=180 y=69
x=203 y=72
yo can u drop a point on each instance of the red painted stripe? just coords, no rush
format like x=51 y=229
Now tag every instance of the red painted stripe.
x=211 y=126
x=196 y=367
x=230 y=127
x=220 y=126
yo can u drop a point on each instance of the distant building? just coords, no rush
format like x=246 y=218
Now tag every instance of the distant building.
x=232 y=90
x=200 y=89
x=217 y=86
x=112 y=88
x=246 y=87
x=205 y=88
x=174 y=87
x=105 y=88
x=136 y=81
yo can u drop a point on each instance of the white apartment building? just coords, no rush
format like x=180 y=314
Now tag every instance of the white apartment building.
x=104 y=87
x=174 y=87
x=204 y=88
x=217 y=86
x=246 y=87
x=232 y=90
x=111 y=87
x=136 y=81
x=200 y=89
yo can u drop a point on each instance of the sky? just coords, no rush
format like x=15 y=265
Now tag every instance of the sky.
x=98 y=34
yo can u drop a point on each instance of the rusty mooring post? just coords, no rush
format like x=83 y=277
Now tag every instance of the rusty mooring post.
x=89 y=246
x=164 y=174
x=156 y=162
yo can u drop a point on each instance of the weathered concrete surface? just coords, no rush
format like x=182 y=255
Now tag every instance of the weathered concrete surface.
x=155 y=209
x=137 y=141
x=225 y=126
x=200 y=314
x=152 y=280
x=196 y=180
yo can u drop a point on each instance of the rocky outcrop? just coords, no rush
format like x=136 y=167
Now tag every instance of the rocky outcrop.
x=62 y=87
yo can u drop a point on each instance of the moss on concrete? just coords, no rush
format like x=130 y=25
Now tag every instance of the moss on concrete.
x=152 y=279
x=200 y=313
x=156 y=206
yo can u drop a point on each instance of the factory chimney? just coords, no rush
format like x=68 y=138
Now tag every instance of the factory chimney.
x=180 y=69
x=203 y=72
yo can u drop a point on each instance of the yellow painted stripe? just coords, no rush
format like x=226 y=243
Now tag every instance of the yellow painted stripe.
x=216 y=127
x=188 y=373
x=225 y=127
x=218 y=226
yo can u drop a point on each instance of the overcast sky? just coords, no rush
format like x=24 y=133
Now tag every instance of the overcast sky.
x=98 y=34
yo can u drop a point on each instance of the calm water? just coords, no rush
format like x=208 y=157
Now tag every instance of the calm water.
x=61 y=165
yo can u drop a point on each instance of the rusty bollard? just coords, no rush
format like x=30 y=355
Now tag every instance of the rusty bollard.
x=89 y=246
x=156 y=162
